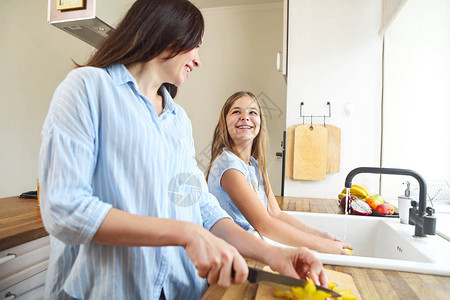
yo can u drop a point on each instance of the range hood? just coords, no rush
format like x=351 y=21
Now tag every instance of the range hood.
x=88 y=20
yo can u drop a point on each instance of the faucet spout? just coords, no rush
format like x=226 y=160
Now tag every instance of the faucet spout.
x=418 y=219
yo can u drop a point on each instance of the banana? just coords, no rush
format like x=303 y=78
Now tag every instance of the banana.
x=357 y=191
x=341 y=195
x=363 y=188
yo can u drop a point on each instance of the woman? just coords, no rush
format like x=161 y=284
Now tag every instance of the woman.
x=237 y=176
x=126 y=206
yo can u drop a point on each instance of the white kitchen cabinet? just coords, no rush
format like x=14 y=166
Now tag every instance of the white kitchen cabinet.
x=23 y=269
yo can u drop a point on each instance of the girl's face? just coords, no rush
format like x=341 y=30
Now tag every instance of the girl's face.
x=243 y=120
x=177 y=69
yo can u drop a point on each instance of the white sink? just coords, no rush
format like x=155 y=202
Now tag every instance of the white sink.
x=381 y=243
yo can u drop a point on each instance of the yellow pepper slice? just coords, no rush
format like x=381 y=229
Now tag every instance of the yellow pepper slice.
x=310 y=292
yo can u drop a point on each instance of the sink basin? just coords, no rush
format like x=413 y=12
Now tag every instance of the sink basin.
x=381 y=243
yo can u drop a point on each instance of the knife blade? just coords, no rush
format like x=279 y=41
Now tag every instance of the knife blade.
x=281 y=281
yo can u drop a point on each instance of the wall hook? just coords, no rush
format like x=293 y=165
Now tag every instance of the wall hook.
x=311 y=116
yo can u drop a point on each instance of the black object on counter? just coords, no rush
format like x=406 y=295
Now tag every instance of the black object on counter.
x=29 y=195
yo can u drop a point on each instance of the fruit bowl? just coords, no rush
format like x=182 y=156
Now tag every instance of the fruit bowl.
x=375 y=214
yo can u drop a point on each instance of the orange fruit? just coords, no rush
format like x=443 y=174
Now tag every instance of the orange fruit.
x=373 y=202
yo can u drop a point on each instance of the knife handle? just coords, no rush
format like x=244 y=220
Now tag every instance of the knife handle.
x=252 y=275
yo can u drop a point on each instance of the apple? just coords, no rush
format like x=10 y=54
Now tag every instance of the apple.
x=382 y=209
x=391 y=208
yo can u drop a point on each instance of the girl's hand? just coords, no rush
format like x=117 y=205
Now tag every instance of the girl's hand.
x=329 y=236
x=334 y=247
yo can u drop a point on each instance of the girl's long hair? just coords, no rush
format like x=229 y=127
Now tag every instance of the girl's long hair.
x=222 y=139
x=148 y=28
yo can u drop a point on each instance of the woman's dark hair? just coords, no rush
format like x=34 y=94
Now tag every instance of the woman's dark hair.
x=149 y=28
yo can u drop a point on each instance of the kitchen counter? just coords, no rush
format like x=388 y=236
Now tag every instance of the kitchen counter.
x=371 y=283
x=20 y=222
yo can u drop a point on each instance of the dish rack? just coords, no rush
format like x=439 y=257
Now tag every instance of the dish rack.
x=438 y=191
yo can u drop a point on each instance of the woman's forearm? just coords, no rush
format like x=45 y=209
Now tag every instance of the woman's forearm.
x=124 y=229
x=213 y=257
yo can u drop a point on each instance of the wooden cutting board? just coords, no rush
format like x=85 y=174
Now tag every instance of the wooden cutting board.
x=333 y=149
x=344 y=282
x=310 y=153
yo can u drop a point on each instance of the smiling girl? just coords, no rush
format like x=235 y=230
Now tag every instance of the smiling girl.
x=237 y=176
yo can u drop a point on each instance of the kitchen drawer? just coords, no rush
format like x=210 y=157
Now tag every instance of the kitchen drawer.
x=23 y=261
x=24 y=248
x=36 y=294
x=28 y=289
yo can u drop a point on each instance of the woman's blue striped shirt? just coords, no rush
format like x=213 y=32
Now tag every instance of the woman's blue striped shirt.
x=103 y=146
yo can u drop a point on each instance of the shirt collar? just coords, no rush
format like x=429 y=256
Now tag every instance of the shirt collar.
x=120 y=74
x=169 y=104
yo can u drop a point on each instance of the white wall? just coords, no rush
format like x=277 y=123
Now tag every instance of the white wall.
x=35 y=57
x=238 y=53
x=334 y=55
x=417 y=94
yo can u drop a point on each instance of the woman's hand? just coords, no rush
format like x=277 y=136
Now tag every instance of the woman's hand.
x=214 y=258
x=298 y=263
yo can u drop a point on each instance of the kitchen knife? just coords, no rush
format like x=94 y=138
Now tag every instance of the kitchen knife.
x=281 y=281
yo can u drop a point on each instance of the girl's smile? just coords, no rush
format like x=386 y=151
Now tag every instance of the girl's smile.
x=243 y=120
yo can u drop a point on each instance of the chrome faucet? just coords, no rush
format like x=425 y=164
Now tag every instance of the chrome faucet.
x=424 y=224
